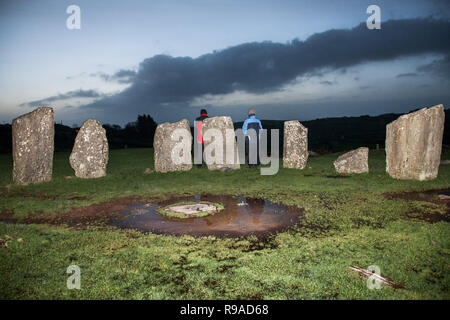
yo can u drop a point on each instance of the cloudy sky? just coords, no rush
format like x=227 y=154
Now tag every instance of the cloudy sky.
x=289 y=59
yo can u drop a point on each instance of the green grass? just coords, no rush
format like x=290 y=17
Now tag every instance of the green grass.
x=348 y=222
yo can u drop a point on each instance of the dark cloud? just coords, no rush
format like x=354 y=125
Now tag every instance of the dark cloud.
x=121 y=76
x=441 y=8
x=440 y=68
x=407 y=75
x=64 y=96
x=163 y=80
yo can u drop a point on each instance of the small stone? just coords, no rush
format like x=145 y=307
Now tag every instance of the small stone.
x=295 y=145
x=19 y=240
x=67 y=177
x=443 y=162
x=355 y=161
x=148 y=171
x=89 y=156
x=444 y=197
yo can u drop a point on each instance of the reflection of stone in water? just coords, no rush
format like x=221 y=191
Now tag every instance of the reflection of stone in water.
x=200 y=197
x=139 y=211
x=231 y=210
x=256 y=205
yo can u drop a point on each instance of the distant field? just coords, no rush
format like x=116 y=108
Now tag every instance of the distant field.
x=363 y=220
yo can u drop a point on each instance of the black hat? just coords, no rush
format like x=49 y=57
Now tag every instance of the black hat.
x=203 y=111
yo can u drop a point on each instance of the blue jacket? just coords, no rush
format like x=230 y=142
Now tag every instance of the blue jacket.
x=252 y=122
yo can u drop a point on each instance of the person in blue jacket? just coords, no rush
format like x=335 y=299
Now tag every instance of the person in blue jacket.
x=252 y=139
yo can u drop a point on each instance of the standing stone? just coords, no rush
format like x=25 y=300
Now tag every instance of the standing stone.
x=355 y=161
x=295 y=145
x=172 y=146
x=414 y=144
x=89 y=156
x=33 y=145
x=224 y=127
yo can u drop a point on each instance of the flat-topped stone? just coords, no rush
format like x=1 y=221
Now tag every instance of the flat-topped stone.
x=192 y=208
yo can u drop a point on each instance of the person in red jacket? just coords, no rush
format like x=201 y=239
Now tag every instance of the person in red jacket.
x=198 y=152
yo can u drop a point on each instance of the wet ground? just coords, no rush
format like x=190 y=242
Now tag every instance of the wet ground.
x=429 y=195
x=433 y=198
x=328 y=177
x=241 y=216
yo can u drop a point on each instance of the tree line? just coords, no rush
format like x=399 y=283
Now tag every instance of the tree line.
x=324 y=135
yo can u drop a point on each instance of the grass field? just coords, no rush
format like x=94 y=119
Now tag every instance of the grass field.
x=352 y=221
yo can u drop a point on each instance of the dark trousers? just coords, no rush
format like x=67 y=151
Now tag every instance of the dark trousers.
x=252 y=146
x=198 y=153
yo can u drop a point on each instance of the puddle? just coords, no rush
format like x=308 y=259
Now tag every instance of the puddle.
x=434 y=197
x=241 y=216
x=431 y=217
x=428 y=195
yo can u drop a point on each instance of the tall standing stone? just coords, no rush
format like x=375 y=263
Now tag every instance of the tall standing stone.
x=89 y=156
x=33 y=145
x=224 y=151
x=355 y=161
x=414 y=144
x=295 y=145
x=172 y=146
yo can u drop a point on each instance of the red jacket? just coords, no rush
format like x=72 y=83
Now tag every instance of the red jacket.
x=198 y=125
